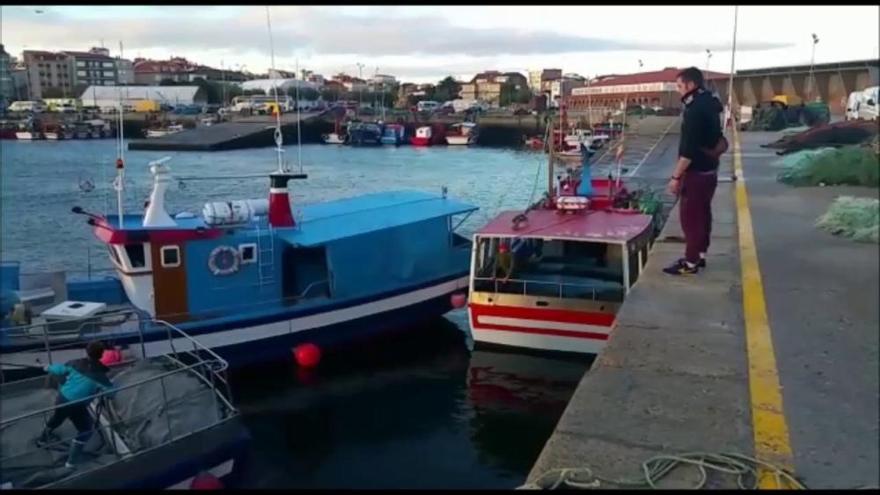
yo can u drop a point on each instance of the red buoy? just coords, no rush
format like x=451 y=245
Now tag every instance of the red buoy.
x=206 y=481
x=307 y=355
x=458 y=300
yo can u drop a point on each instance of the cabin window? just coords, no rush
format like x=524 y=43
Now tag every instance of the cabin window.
x=170 y=256
x=247 y=252
x=135 y=253
x=550 y=268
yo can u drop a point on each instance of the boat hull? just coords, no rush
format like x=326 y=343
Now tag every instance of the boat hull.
x=420 y=141
x=27 y=136
x=567 y=331
x=53 y=136
x=220 y=450
x=270 y=338
x=459 y=140
x=333 y=138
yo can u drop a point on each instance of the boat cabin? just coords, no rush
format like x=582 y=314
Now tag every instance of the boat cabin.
x=554 y=278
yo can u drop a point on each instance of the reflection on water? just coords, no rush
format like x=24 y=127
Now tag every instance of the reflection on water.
x=417 y=410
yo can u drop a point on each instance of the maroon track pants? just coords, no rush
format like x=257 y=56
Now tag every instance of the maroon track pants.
x=695 y=208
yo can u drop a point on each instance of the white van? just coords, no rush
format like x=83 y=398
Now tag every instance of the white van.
x=852 y=105
x=868 y=105
x=27 y=106
x=427 y=106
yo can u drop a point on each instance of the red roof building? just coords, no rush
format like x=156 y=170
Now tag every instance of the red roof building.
x=652 y=89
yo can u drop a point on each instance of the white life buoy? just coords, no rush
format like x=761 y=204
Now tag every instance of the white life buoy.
x=223 y=260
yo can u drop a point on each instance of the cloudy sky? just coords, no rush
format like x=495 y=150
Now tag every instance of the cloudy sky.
x=424 y=44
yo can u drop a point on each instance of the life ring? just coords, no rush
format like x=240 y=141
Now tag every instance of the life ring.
x=223 y=260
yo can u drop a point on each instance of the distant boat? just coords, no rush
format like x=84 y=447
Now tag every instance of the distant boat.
x=337 y=136
x=27 y=135
x=423 y=136
x=364 y=134
x=393 y=134
x=464 y=133
x=161 y=132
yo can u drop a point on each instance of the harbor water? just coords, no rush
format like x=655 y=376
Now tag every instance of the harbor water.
x=419 y=409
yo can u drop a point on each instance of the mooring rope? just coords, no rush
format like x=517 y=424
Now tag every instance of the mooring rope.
x=744 y=467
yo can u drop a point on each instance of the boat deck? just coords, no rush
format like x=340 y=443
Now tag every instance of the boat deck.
x=157 y=401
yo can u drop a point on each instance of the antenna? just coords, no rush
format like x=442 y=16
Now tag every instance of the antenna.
x=298 y=122
x=120 y=160
x=279 y=140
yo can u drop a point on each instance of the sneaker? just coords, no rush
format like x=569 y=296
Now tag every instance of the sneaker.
x=700 y=264
x=680 y=268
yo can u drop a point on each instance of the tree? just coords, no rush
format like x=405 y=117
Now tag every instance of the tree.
x=330 y=94
x=447 y=89
x=251 y=92
x=522 y=95
x=167 y=82
x=308 y=94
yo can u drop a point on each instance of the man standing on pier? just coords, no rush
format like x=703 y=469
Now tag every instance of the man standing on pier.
x=696 y=174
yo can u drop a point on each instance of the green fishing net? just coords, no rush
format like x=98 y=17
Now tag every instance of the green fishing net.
x=855 y=218
x=850 y=165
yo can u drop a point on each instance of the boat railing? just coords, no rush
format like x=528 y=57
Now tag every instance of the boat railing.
x=521 y=286
x=119 y=433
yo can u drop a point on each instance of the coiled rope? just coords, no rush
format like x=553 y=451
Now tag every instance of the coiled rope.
x=745 y=469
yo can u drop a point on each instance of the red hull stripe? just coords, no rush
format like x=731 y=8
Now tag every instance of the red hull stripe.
x=556 y=315
x=111 y=235
x=545 y=331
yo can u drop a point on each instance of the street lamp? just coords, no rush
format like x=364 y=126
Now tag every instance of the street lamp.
x=812 y=60
x=360 y=86
x=708 y=58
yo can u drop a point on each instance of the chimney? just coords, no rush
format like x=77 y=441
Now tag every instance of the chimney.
x=279 y=201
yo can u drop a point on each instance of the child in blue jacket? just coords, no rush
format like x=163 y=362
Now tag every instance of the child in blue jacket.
x=83 y=379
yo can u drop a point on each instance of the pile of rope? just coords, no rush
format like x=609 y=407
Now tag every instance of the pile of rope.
x=854 y=218
x=744 y=468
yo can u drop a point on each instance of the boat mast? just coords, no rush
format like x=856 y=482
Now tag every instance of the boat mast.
x=120 y=160
x=279 y=140
x=548 y=138
x=298 y=123
x=732 y=68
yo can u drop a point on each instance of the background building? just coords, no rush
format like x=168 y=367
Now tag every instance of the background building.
x=92 y=68
x=124 y=71
x=488 y=86
x=7 y=84
x=48 y=74
x=652 y=89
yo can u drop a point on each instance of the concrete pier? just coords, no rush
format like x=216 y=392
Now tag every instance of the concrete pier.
x=242 y=133
x=675 y=376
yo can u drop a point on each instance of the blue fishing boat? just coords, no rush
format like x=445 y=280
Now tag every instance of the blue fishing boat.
x=251 y=282
x=364 y=134
x=394 y=134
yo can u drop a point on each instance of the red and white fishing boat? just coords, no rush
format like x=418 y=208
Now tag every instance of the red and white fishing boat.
x=423 y=136
x=464 y=133
x=553 y=277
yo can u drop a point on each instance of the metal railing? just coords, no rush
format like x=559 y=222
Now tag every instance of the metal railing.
x=61 y=335
x=503 y=286
x=119 y=433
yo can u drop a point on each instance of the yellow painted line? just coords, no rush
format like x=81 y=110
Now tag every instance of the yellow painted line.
x=768 y=418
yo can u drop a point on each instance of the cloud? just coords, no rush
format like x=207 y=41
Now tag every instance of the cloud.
x=315 y=30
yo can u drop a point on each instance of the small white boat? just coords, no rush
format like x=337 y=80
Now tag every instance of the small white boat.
x=53 y=135
x=171 y=129
x=27 y=135
x=334 y=138
x=462 y=134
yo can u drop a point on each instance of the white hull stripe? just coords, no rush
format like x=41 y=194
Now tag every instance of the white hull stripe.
x=539 y=341
x=234 y=336
x=278 y=190
x=541 y=324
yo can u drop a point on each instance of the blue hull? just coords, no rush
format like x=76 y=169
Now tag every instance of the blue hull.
x=341 y=334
